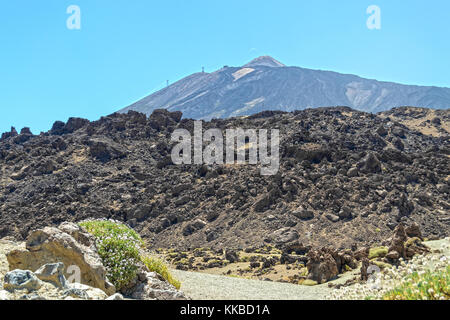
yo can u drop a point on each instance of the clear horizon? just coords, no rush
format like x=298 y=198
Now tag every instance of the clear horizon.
x=126 y=51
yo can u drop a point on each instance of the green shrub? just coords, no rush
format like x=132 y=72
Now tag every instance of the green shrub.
x=158 y=266
x=378 y=252
x=412 y=241
x=426 y=286
x=119 y=248
x=104 y=228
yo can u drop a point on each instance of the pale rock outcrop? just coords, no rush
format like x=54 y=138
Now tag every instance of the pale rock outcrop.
x=49 y=251
x=152 y=286
x=68 y=244
x=52 y=285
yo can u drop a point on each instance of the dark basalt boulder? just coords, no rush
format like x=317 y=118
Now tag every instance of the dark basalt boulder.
x=57 y=128
x=370 y=164
x=73 y=124
x=163 y=119
x=10 y=134
x=105 y=150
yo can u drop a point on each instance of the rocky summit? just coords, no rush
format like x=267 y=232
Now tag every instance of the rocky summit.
x=267 y=84
x=346 y=177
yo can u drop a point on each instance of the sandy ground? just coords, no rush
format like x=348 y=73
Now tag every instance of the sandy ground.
x=202 y=286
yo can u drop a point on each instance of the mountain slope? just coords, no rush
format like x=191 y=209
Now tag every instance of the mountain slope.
x=345 y=177
x=266 y=84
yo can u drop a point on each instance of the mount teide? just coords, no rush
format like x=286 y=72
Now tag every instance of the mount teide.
x=266 y=84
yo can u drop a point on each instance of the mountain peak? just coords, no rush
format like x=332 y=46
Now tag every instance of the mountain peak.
x=265 y=84
x=266 y=61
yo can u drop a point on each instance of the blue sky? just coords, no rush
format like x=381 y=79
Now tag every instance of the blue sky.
x=128 y=49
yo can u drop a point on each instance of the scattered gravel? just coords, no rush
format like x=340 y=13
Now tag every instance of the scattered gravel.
x=216 y=287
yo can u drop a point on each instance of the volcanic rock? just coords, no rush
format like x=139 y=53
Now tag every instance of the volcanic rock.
x=120 y=167
x=105 y=149
x=52 y=272
x=321 y=265
x=20 y=280
x=151 y=286
x=397 y=246
x=303 y=214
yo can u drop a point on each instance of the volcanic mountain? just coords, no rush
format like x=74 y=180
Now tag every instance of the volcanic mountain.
x=267 y=84
x=345 y=177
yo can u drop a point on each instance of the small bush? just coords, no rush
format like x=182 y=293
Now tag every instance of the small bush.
x=119 y=248
x=158 y=266
x=425 y=286
x=412 y=241
x=378 y=252
x=103 y=228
